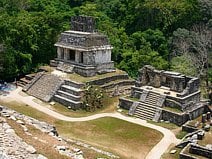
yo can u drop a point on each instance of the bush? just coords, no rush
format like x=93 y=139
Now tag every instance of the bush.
x=93 y=98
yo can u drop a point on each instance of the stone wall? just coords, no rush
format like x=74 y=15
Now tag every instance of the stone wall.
x=192 y=86
x=188 y=128
x=125 y=103
x=74 y=83
x=200 y=150
x=136 y=92
x=83 y=23
x=185 y=102
x=80 y=40
x=102 y=81
x=181 y=118
x=148 y=75
x=85 y=71
x=102 y=56
x=176 y=118
x=105 y=67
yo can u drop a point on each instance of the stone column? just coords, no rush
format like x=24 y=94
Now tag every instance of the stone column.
x=65 y=54
x=59 y=56
x=77 y=56
x=208 y=115
x=203 y=118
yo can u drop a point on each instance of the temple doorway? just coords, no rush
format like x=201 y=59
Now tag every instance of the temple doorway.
x=81 y=57
x=71 y=56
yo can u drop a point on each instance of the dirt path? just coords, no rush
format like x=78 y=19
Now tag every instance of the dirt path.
x=156 y=152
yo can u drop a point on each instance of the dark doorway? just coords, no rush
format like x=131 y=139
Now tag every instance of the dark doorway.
x=62 y=53
x=71 y=55
x=81 y=57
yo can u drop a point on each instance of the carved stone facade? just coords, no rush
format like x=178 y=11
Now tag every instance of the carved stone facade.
x=177 y=82
x=163 y=91
x=88 y=52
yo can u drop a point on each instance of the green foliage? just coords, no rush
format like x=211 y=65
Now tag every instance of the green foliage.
x=138 y=30
x=93 y=98
x=183 y=65
x=9 y=70
x=145 y=48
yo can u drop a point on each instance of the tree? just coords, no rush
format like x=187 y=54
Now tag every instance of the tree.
x=93 y=98
x=183 y=64
x=196 y=46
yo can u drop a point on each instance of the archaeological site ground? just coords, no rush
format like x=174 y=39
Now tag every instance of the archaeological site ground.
x=81 y=106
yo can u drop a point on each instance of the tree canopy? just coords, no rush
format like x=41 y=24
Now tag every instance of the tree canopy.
x=170 y=34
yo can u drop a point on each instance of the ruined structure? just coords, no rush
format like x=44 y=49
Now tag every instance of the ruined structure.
x=164 y=95
x=86 y=52
x=83 y=50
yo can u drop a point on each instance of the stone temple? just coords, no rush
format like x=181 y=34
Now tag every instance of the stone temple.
x=164 y=95
x=81 y=53
x=83 y=50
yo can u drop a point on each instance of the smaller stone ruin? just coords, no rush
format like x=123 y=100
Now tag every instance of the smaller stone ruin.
x=164 y=95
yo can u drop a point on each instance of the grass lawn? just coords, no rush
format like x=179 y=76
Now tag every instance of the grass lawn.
x=169 y=126
x=120 y=137
x=78 y=78
x=173 y=109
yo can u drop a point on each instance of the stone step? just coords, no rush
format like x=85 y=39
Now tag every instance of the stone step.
x=30 y=76
x=68 y=102
x=68 y=95
x=143 y=116
x=153 y=97
x=74 y=84
x=24 y=80
x=71 y=90
x=123 y=82
x=150 y=102
x=45 y=87
x=20 y=84
x=148 y=105
x=145 y=109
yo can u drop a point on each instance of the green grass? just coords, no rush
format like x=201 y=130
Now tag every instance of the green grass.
x=111 y=134
x=169 y=126
x=133 y=99
x=78 y=78
x=173 y=109
x=181 y=134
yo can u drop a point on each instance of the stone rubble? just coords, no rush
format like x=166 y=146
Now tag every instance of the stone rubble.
x=21 y=119
x=12 y=146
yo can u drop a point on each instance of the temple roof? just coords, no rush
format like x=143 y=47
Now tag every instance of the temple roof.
x=82 y=40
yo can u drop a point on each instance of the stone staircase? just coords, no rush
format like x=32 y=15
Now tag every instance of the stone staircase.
x=69 y=94
x=149 y=106
x=25 y=80
x=45 y=87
